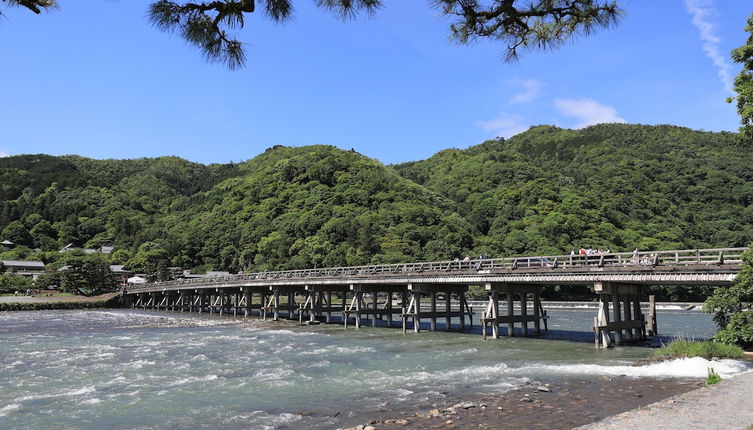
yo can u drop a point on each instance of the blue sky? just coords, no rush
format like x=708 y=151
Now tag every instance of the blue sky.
x=94 y=78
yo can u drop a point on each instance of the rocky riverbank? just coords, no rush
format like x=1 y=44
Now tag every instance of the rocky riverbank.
x=560 y=405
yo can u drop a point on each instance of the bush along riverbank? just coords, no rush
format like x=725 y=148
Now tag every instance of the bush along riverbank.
x=704 y=349
x=104 y=301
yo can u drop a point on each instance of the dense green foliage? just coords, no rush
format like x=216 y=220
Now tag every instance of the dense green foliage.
x=88 y=275
x=545 y=191
x=10 y=283
x=77 y=200
x=609 y=186
x=733 y=307
x=313 y=206
x=744 y=83
x=705 y=349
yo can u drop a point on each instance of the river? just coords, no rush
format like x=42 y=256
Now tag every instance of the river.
x=125 y=369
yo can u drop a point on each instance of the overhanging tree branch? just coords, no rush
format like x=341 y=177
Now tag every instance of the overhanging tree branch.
x=537 y=24
x=541 y=24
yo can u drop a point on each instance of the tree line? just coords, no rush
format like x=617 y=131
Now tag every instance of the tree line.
x=545 y=191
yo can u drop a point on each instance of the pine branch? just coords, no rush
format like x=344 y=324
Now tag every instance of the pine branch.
x=544 y=24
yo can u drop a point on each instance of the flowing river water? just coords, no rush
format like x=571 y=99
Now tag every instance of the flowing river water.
x=125 y=369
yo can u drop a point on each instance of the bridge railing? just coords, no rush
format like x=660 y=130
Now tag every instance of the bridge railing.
x=685 y=257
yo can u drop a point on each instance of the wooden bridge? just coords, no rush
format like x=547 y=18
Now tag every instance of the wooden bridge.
x=411 y=292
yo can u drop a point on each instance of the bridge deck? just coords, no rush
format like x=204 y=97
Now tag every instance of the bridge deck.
x=713 y=267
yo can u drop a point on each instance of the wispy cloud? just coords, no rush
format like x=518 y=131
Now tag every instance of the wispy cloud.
x=531 y=88
x=588 y=111
x=702 y=12
x=4 y=154
x=505 y=125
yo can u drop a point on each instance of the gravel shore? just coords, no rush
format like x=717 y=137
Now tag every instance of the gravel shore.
x=725 y=405
x=562 y=405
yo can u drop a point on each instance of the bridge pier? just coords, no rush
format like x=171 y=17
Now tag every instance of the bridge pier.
x=360 y=308
x=319 y=302
x=202 y=300
x=415 y=311
x=245 y=300
x=273 y=303
x=492 y=318
x=626 y=319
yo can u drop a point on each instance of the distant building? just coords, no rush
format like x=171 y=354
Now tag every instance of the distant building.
x=217 y=274
x=29 y=269
x=99 y=250
x=188 y=275
x=7 y=245
x=121 y=274
x=210 y=274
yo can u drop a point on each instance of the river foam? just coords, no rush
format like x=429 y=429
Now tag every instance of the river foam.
x=696 y=367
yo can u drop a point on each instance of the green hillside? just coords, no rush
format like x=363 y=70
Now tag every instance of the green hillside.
x=615 y=186
x=313 y=206
x=547 y=190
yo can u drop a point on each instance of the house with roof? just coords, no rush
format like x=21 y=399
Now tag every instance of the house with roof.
x=7 y=245
x=121 y=274
x=28 y=269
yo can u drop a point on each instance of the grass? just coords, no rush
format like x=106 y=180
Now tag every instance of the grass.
x=706 y=349
x=713 y=377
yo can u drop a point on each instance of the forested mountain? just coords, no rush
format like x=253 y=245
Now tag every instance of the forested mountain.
x=544 y=191
x=48 y=202
x=616 y=186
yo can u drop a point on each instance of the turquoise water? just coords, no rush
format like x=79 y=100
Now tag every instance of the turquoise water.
x=125 y=369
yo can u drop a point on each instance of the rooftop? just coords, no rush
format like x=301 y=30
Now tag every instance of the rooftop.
x=24 y=264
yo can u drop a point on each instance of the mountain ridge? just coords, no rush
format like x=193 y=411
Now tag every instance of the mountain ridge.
x=545 y=191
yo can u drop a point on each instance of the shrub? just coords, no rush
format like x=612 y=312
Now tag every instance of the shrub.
x=713 y=377
x=732 y=307
x=705 y=349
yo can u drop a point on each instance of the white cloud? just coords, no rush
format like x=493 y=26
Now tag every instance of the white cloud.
x=588 y=111
x=702 y=10
x=531 y=89
x=505 y=125
x=4 y=154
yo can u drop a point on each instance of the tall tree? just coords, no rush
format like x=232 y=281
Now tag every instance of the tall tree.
x=744 y=83
x=536 y=24
x=732 y=307
x=90 y=274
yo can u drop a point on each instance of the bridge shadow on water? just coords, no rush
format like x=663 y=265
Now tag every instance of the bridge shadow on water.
x=553 y=334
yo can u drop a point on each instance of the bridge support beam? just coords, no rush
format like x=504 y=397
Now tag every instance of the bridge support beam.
x=274 y=306
x=377 y=307
x=415 y=311
x=247 y=300
x=491 y=318
x=625 y=321
x=318 y=304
